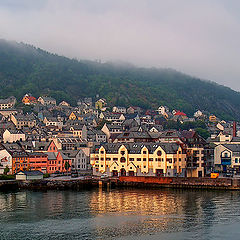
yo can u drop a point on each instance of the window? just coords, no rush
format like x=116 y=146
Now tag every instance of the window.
x=102 y=152
x=115 y=159
x=236 y=160
x=159 y=153
x=138 y=159
x=150 y=159
x=122 y=159
x=144 y=159
x=122 y=152
x=102 y=159
x=144 y=152
x=169 y=160
x=131 y=159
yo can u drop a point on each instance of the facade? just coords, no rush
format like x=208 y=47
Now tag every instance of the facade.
x=7 y=103
x=227 y=158
x=51 y=121
x=139 y=159
x=81 y=162
x=13 y=136
x=20 y=120
x=38 y=161
x=44 y=100
x=28 y=99
x=5 y=161
x=118 y=109
x=20 y=161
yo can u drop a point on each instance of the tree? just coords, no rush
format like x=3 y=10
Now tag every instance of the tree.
x=6 y=170
x=67 y=166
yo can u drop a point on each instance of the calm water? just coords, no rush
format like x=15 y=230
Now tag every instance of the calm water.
x=120 y=214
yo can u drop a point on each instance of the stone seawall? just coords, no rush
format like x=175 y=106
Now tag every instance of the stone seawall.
x=134 y=182
x=178 y=182
x=58 y=184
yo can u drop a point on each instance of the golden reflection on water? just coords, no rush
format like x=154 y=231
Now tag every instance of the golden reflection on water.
x=139 y=202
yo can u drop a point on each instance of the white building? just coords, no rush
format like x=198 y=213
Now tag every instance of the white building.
x=11 y=136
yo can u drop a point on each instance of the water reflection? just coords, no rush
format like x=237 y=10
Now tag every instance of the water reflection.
x=119 y=214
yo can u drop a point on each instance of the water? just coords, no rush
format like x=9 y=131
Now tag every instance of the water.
x=120 y=214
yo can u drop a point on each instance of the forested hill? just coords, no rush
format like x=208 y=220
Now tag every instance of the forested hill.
x=25 y=69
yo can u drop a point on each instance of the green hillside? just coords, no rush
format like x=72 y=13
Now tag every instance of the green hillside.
x=24 y=69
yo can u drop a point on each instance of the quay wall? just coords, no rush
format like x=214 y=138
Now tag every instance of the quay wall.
x=134 y=182
x=179 y=182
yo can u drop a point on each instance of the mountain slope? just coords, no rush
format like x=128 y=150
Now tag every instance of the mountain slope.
x=24 y=68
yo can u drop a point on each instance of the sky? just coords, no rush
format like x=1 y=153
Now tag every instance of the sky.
x=197 y=37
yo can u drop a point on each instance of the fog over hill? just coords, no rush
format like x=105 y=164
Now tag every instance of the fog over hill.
x=24 y=68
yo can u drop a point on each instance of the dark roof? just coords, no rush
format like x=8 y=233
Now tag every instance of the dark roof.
x=233 y=147
x=170 y=148
x=32 y=173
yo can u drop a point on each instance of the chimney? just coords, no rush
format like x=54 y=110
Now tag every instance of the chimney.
x=234 y=129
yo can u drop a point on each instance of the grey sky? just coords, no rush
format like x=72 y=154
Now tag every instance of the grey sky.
x=198 y=37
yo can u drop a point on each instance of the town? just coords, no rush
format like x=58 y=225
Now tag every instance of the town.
x=40 y=135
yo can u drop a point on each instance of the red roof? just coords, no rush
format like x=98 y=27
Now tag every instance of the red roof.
x=178 y=113
x=31 y=98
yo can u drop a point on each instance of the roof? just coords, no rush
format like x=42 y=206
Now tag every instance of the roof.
x=31 y=173
x=178 y=113
x=170 y=148
x=232 y=147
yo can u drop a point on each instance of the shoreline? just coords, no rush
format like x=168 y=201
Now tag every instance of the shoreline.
x=124 y=182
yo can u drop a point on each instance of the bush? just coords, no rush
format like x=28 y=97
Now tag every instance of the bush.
x=7 y=177
x=46 y=175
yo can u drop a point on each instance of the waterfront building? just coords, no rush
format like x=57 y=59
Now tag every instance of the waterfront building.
x=29 y=175
x=38 y=161
x=227 y=158
x=139 y=159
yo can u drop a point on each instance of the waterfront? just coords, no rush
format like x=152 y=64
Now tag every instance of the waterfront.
x=120 y=214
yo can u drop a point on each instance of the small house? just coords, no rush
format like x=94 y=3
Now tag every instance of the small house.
x=29 y=175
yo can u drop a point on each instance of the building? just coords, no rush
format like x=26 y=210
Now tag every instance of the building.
x=227 y=158
x=81 y=161
x=101 y=104
x=118 y=109
x=38 y=161
x=20 y=161
x=75 y=116
x=114 y=118
x=44 y=100
x=139 y=159
x=5 y=160
x=21 y=121
x=7 y=103
x=29 y=175
x=52 y=121
x=11 y=136
x=28 y=99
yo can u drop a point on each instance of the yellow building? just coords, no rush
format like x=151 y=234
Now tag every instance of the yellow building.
x=75 y=116
x=139 y=159
x=212 y=118
x=100 y=104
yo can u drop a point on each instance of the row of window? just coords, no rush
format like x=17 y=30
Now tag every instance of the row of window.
x=122 y=159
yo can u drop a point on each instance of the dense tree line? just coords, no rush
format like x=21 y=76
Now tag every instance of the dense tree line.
x=24 y=69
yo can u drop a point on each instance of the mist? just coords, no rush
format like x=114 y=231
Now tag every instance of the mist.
x=200 y=38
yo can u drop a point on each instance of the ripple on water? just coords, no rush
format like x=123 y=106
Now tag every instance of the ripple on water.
x=115 y=214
